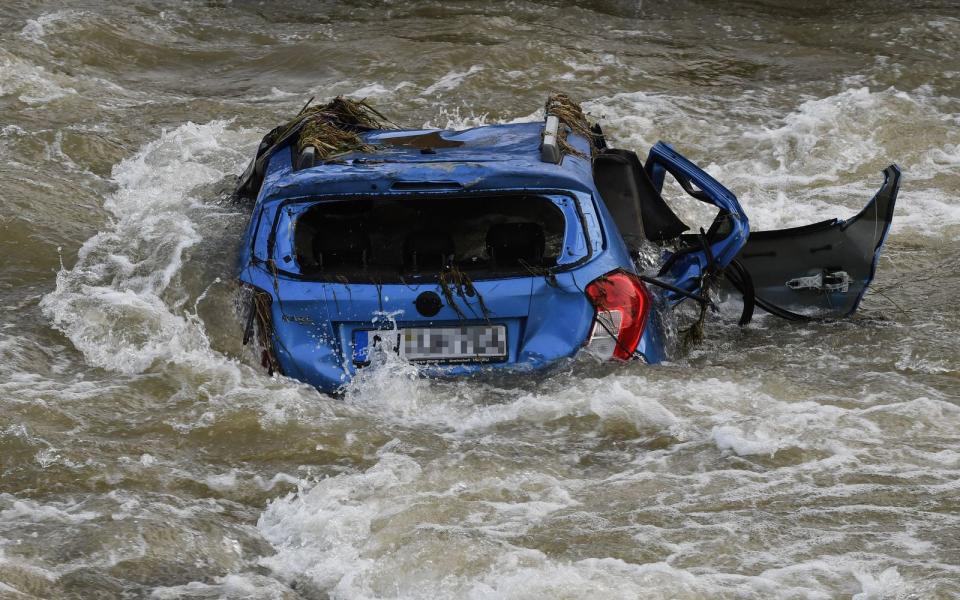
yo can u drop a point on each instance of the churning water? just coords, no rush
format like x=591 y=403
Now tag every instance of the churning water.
x=144 y=453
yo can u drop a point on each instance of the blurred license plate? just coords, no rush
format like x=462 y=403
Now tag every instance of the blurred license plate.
x=473 y=343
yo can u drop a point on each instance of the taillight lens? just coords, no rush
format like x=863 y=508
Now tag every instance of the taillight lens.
x=623 y=304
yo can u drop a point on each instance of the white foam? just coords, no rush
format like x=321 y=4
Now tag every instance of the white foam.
x=222 y=481
x=389 y=385
x=456 y=525
x=729 y=437
x=886 y=584
x=32 y=511
x=110 y=302
x=387 y=532
x=320 y=533
x=619 y=399
x=32 y=84
x=229 y=587
x=821 y=159
x=453 y=119
x=452 y=80
x=122 y=304
x=328 y=535
x=531 y=574
x=37 y=29
x=379 y=90
x=840 y=128
x=393 y=389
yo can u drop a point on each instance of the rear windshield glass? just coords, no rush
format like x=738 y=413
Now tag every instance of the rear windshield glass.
x=396 y=238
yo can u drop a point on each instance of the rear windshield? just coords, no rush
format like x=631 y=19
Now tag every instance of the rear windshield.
x=398 y=238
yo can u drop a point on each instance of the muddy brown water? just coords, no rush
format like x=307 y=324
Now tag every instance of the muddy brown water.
x=144 y=453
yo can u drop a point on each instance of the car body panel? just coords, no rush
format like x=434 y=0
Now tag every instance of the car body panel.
x=314 y=322
x=548 y=317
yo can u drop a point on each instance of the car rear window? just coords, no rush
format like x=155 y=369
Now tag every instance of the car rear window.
x=394 y=238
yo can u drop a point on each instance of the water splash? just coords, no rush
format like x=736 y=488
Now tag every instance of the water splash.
x=111 y=302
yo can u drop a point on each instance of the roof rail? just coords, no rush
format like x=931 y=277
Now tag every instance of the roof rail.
x=549 y=150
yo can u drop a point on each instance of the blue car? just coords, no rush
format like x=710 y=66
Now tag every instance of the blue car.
x=506 y=247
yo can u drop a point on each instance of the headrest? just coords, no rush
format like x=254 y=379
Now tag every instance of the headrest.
x=347 y=244
x=510 y=243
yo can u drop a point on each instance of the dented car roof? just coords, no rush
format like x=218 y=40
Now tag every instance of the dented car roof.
x=498 y=157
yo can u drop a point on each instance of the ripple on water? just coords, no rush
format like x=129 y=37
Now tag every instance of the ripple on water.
x=143 y=453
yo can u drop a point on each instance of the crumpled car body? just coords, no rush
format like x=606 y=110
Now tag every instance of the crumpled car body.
x=508 y=248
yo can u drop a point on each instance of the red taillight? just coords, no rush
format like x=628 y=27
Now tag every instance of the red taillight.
x=623 y=304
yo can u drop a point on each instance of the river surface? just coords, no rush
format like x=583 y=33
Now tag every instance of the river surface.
x=144 y=452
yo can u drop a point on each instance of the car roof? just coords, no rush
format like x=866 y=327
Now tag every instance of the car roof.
x=514 y=141
x=489 y=157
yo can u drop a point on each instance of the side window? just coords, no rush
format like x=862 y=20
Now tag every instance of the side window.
x=695 y=213
x=717 y=210
x=284 y=253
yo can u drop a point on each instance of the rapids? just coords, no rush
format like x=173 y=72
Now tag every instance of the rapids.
x=145 y=453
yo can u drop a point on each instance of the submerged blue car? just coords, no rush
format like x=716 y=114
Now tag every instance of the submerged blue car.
x=506 y=247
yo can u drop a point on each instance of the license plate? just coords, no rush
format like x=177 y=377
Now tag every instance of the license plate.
x=471 y=343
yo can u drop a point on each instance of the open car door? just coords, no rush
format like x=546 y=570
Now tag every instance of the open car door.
x=814 y=271
x=820 y=270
